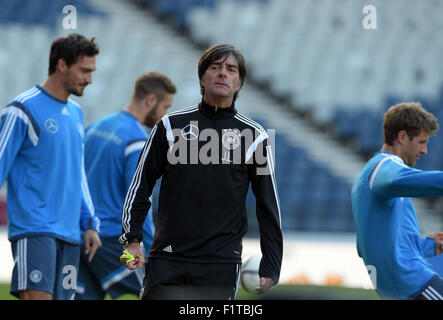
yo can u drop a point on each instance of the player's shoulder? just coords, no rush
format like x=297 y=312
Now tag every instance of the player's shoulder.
x=26 y=98
x=247 y=122
x=127 y=125
x=383 y=164
x=182 y=112
x=25 y=105
x=72 y=107
x=118 y=125
x=388 y=159
x=74 y=104
x=109 y=120
x=179 y=118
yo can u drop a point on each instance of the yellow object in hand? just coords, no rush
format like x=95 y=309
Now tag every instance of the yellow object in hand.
x=129 y=257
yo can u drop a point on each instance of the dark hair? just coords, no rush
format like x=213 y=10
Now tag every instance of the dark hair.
x=70 y=49
x=408 y=116
x=153 y=82
x=217 y=52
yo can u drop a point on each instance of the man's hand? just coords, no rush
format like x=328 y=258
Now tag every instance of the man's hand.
x=265 y=285
x=136 y=251
x=438 y=236
x=92 y=243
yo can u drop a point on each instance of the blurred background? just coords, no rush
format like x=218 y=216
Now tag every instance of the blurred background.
x=315 y=74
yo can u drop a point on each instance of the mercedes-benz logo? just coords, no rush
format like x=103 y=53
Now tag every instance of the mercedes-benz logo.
x=51 y=125
x=190 y=132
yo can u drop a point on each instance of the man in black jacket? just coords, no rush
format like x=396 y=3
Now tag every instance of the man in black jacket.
x=207 y=155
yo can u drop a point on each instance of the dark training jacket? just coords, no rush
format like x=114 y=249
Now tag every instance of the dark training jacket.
x=207 y=157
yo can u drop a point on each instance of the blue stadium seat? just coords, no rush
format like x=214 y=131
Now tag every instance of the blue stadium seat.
x=184 y=7
x=392 y=100
x=348 y=121
x=370 y=133
x=164 y=7
x=179 y=10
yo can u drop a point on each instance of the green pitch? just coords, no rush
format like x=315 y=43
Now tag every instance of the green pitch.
x=4 y=292
x=280 y=292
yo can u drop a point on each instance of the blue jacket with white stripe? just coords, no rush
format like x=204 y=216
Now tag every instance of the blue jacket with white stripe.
x=41 y=155
x=388 y=237
x=207 y=158
x=112 y=147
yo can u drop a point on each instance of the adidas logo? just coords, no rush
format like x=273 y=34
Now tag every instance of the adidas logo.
x=168 y=248
x=65 y=112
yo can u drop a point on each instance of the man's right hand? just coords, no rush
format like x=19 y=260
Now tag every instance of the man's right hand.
x=438 y=236
x=135 y=250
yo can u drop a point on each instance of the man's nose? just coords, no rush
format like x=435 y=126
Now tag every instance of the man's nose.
x=223 y=70
x=89 y=79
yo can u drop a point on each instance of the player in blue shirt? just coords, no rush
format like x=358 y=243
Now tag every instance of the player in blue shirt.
x=112 y=147
x=41 y=155
x=388 y=237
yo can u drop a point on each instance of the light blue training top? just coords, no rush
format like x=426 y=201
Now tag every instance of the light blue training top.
x=388 y=236
x=112 y=147
x=41 y=155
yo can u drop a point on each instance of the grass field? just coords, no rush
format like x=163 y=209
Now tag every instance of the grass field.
x=281 y=292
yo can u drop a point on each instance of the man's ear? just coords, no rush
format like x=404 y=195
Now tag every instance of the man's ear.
x=150 y=100
x=202 y=81
x=402 y=137
x=239 y=85
x=62 y=66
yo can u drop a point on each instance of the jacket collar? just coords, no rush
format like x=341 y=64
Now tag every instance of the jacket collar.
x=216 y=112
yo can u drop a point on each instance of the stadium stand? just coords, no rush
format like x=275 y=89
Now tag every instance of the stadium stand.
x=318 y=55
x=312 y=60
x=40 y=12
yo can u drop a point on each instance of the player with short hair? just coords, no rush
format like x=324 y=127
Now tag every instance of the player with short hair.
x=112 y=147
x=41 y=154
x=197 y=247
x=388 y=236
